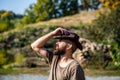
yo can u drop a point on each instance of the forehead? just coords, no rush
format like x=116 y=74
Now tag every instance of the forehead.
x=67 y=41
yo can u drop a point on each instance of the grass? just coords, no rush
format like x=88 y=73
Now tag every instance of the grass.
x=99 y=72
x=9 y=71
x=45 y=71
x=68 y=21
x=15 y=71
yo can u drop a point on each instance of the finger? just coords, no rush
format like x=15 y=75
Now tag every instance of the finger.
x=62 y=31
x=66 y=32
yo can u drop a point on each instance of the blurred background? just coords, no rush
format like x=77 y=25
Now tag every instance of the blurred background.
x=23 y=21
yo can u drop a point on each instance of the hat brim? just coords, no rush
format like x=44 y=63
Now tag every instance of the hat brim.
x=77 y=43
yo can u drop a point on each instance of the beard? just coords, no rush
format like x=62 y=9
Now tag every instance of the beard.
x=58 y=51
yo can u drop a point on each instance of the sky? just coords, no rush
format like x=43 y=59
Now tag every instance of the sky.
x=17 y=6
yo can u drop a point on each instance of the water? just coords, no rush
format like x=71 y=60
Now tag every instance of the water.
x=103 y=78
x=23 y=77
x=41 y=77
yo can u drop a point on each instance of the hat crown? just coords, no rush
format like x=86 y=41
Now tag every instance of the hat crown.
x=71 y=35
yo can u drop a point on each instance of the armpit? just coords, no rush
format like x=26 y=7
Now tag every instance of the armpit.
x=49 y=57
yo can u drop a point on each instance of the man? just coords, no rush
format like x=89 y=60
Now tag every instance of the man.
x=63 y=65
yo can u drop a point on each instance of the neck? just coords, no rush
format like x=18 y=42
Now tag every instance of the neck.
x=66 y=57
x=65 y=60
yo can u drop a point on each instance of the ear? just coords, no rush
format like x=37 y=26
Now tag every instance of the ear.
x=69 y=46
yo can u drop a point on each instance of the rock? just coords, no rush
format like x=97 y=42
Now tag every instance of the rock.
x=89 y=50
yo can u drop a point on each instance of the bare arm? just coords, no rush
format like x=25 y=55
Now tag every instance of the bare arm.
x=38 y=45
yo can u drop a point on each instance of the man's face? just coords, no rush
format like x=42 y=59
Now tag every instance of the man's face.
x=60 y=47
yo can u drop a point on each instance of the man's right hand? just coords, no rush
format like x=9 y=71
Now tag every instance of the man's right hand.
x=60 y=31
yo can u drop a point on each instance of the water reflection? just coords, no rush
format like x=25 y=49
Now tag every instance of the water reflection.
x=23 y=77
x=41 y=77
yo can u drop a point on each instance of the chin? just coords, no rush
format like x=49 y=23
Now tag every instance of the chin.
x=58 y=52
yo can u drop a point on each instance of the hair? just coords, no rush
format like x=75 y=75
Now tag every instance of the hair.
x=74 y=47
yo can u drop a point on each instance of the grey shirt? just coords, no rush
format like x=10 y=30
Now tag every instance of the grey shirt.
x=73 y=71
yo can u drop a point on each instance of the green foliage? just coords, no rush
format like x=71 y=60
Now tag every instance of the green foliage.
x=112 y=4
x=9 y=71
x=96 y=61
x=106 y=30
x=8 y=20
x=3 y=58
x=41 y=9
x=30 y=15
x=48 y=9
x=5 y=25
x=7 y=15
x=19 y=58
x=14 y=42
x=115 y=56
x=106 y=27
x=1 y=38
x=53 y=28
x=69 y=7
x=115 y=64
x=116 y=59
x=19 y=26
x=26 y=20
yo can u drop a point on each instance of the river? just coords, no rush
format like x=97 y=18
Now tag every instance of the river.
x=41 y=77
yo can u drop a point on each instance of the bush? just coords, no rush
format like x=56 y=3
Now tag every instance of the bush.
x=106 y=27
x=19 y=58
x=106 y=30
x=19 y=26
x=3 y=58
x=5 y=25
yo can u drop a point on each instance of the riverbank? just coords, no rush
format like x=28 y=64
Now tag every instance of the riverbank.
x=16 y=71
x=41 y=77
x=101 y=72
x=45 y=71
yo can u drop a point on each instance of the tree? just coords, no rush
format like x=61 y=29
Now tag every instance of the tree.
x=41 y=9
x=110 y=3
x=68 y=7
x=48 y=9
x=29 y=15
x=89 y=4
x=106 y=27
x=7 y=15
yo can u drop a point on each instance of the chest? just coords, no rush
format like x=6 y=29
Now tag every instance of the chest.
x=59 y=73
x=62 y=73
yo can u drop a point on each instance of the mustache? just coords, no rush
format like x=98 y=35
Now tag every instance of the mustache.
x=58 y=52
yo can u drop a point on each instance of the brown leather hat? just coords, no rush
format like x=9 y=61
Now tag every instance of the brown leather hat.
x=72 y=37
